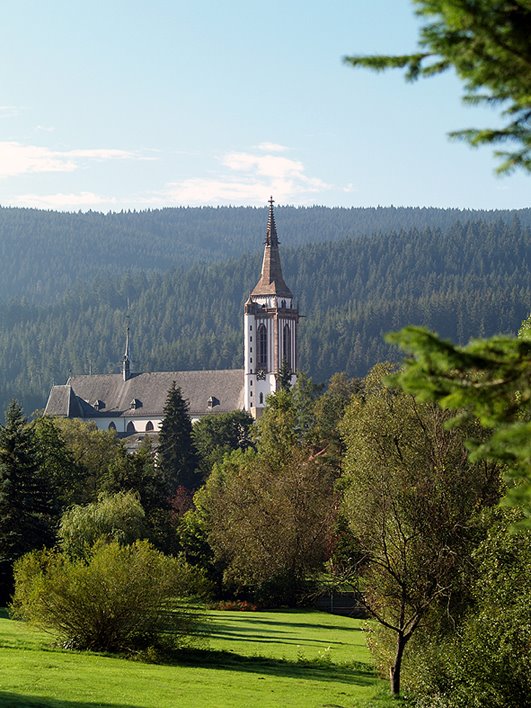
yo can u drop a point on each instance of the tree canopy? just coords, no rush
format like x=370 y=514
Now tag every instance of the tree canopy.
x=409 y=498
x=489 y=379
x=25 y=495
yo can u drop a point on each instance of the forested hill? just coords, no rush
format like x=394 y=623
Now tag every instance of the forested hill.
x=45 y=254
x=468 y=280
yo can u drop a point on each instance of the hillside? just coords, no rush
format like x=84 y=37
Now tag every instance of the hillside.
x=470 y=279
x=45 y=254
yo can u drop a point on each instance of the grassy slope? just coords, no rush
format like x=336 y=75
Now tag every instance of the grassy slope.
x=296 y=659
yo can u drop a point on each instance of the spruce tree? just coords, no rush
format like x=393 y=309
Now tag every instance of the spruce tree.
x=284 y=376
x=25 y=522
x=177 y=455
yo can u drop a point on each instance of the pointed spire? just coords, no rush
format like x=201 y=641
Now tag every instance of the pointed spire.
x=271 y=233
x=271 y=279
x=126 y=361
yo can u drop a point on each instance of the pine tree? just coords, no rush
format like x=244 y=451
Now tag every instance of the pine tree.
x=177 y=455
x=25 y=521
x=284 y=377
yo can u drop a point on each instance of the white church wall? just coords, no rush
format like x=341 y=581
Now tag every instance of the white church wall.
x=120 y=424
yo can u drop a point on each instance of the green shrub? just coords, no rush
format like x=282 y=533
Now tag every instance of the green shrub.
x=484 y=661
x=122 y=598
x=114 y=517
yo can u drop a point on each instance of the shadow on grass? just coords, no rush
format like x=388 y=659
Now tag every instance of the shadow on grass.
x=352 y=673
x=262 y=634
x=255 y=618
x=17 y=700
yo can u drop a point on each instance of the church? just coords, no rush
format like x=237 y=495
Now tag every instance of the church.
x=132 y=403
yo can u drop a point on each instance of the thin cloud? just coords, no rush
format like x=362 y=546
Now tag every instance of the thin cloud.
x=271 y=147
x=107 y=154
x=247 y=178
x=9 y=111
x=17 y=158
x=66 y=202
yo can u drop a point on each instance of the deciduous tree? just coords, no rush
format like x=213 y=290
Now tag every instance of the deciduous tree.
x=484 y=659
x=410 y=495
x=490 y=379
x=118 y=517
x=270 y=525
x=215 y=435
x=93 y=453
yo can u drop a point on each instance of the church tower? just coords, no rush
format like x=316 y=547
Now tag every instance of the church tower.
x=270 y=327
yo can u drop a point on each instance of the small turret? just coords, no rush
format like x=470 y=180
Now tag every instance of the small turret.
x=126 y=361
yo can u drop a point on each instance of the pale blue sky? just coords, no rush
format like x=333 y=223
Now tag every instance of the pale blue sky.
x=130 y=104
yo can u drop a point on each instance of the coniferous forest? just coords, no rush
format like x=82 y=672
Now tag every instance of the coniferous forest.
x=182 y=275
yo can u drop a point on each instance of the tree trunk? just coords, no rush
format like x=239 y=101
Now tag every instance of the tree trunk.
x=394 y=671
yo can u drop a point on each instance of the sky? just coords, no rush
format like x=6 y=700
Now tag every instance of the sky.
x=139 y=104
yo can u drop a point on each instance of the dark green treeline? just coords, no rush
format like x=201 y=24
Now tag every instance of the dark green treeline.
x=470 y=279
x=45 y=254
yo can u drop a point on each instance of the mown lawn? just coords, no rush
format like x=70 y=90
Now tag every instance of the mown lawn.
x=292 y=658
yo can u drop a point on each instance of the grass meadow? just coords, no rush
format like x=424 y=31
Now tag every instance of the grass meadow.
x=290 y=658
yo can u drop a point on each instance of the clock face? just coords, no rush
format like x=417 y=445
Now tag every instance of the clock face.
x=260 y=375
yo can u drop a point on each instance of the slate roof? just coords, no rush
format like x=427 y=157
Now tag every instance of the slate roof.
x=78 y=397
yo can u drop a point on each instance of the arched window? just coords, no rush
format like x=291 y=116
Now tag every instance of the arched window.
x=131 y=427
x=112 y=426
x=261 y=398
x=149 y=426
x=286 y=346
x=262 y=347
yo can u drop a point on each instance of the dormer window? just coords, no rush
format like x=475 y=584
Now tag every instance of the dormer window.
x=98 y=405
x=212 y=401
x=135 y=403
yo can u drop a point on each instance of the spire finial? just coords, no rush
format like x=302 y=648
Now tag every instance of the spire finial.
x=126 y=353
x=271 y=233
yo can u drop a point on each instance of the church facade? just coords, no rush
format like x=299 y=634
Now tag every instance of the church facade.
x=132 y=403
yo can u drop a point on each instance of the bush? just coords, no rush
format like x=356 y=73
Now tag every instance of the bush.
x=114 y=517
x=235 y=605
x=122 y=598
x=485 y=660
